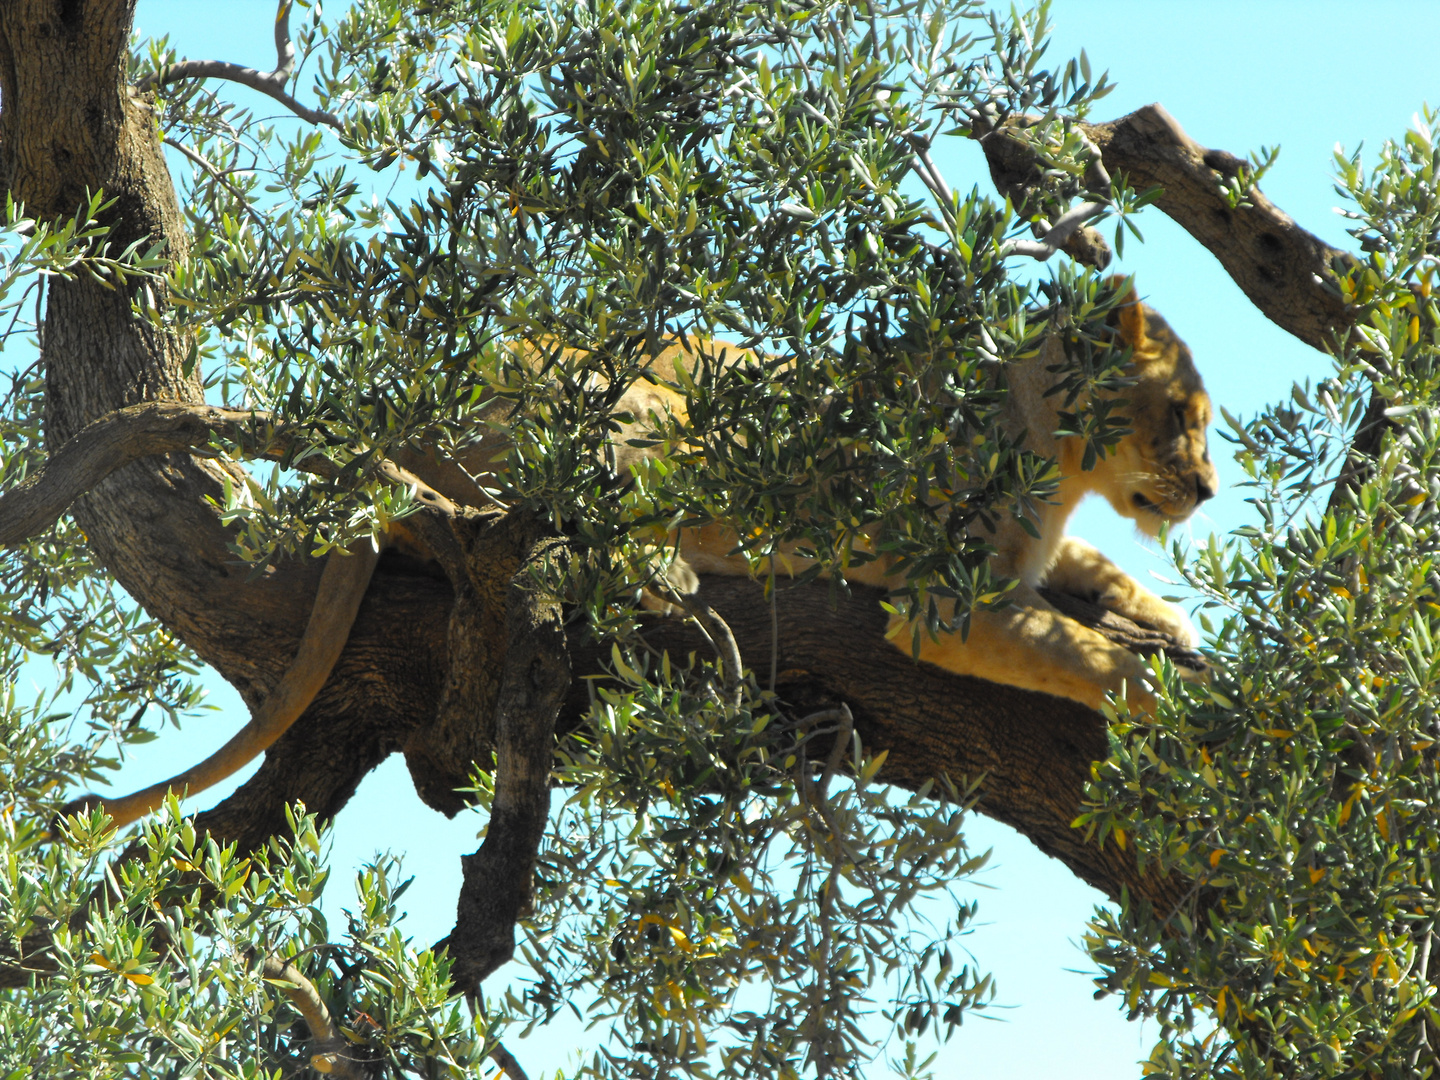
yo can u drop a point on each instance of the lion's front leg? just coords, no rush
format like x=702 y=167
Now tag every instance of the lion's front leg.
x=1031 y=645
x=1081 y=570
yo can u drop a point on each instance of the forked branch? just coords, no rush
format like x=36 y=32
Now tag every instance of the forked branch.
x=270 y=83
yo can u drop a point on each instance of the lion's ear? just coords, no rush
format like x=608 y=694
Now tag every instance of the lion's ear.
x=1129 y=317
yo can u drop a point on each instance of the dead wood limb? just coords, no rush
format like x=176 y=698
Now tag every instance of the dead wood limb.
x=1290 y=274
x=1061 y=236
x=161 y=427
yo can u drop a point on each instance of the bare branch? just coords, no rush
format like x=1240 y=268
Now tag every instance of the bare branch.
x=718 y=634
x=932 y=178
x=270 y=83
x=161 y=427
x=818 y=792
x=1054 y=238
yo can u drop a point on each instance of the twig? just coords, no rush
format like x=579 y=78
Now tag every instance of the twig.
x=219 y=178
x=721 y=639
x=819 y=800
x=930 y=176
x=837 y=751
x=1053 y=238
x=332 y=1054
x=1424 y=978
x=832 y=765
x=270 y=83
x=161 y=427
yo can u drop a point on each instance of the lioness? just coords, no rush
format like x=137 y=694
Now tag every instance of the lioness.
x=1158 y=473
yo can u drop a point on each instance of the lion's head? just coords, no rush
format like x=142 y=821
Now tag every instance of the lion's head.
x=1161 y=471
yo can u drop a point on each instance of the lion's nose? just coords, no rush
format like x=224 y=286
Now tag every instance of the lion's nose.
x=1203 y=490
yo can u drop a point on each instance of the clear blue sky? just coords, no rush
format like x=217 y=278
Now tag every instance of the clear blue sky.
x=1306 y=75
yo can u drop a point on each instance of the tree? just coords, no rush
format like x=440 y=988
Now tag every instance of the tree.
x=582 y=223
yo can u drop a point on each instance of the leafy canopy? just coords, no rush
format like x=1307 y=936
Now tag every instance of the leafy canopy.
x=592 y=181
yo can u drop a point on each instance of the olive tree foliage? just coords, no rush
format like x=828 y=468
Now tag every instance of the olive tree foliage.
x=727 y=884
x=1302 y=798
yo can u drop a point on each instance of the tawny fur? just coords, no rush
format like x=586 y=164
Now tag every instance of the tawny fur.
x=1159 y=473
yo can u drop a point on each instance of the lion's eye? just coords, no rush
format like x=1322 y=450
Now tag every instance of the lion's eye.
x=1178 y=412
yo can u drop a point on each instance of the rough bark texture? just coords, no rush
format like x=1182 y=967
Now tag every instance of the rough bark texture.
x=499 y=878
x=67 y=126
x=1288 y=273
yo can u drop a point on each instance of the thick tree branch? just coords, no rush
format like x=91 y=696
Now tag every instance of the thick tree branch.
x=1289 y=274
x=67 y=127
x=1035 y=750
x=270 y=83
x=160 y=427
x=499 y=886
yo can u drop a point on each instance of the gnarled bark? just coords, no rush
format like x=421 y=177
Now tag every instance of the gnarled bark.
x=1287 y=272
